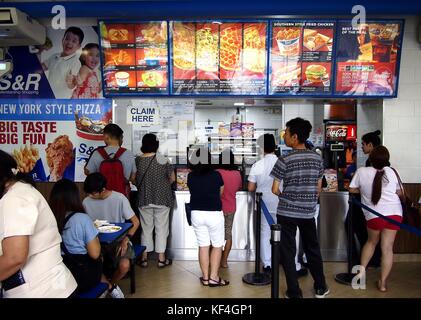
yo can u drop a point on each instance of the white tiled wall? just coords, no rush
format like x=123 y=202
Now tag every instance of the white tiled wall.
x=402 y=116
x=298 y=108
x=369 y=119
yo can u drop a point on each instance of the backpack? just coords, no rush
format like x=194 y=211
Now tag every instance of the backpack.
x=112 y=169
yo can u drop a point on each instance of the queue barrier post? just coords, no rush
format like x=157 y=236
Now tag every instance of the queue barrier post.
x=275 y=241
x=257 y=278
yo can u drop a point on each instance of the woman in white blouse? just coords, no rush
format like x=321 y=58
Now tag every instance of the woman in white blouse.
x=30 y=257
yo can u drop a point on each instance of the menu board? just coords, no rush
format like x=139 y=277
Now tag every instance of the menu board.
x=366 y=58
x=135 y=57
x=301 y=57
x=219 y=58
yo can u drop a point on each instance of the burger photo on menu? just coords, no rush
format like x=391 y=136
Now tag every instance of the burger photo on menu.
x=316 y=74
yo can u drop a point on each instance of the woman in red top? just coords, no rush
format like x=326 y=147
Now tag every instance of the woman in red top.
x=232 y=183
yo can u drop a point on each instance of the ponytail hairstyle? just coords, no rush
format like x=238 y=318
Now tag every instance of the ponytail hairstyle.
x=373 y=138
x=379 y=159
x=10 y=173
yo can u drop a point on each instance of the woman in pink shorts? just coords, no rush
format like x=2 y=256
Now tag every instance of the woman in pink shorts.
x=380 y=191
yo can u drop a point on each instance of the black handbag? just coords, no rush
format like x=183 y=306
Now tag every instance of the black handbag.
x=188 y=212
x=410 y=213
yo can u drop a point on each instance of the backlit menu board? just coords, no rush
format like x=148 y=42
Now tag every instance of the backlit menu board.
x=219 y=58
x=366 y=58
x=301 y=57
x=135 y=58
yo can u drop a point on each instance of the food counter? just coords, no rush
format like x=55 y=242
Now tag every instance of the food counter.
x=182 y=244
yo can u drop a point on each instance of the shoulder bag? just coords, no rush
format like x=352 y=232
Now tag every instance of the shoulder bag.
x=410 y=213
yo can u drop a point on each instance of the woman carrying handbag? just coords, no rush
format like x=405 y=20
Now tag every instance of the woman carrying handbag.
x=155 y=198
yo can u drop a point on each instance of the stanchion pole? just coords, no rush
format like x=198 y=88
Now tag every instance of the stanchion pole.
x=275 y=241
x=346 y=278
x=257 y=278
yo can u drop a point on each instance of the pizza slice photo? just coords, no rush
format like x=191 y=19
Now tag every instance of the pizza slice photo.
x=230 y=49
x=184 y=46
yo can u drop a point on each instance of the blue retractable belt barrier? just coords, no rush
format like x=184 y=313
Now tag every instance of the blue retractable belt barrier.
x=401 y=225
x=268 y=217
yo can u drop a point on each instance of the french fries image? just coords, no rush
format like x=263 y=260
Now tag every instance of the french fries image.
x=26 y=157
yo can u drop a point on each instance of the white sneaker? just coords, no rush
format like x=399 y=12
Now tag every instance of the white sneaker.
x=116 y=292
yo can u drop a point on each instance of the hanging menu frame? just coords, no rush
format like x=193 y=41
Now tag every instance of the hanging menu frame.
x=267 y=89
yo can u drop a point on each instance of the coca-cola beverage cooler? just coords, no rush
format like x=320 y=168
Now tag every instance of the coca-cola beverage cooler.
x=340 y=147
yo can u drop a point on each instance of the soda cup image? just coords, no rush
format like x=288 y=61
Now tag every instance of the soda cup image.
x=122 y=79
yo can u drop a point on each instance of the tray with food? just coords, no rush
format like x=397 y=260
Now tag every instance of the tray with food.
x=313 y=40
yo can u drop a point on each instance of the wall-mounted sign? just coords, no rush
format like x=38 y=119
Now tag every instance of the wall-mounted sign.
x=301 y=57
x=143 y=113
x=367 y=58
x=219 y=57
x=135 y=57
x=52 y=139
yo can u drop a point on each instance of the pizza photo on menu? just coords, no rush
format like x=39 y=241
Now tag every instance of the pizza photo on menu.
x=254 y=48
x=207 y=53
x=230 y=48
x=184 y=46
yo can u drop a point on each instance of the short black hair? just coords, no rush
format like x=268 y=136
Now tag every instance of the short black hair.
x=113 y=131
x=300 y=127
x=200 y=161
x=149 y=143
x=267 y=142
x=373 y=138
x=94 y=182
x=84 y=53
x=76 y=31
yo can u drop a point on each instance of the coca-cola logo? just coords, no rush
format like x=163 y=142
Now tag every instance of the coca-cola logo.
x=336 y=133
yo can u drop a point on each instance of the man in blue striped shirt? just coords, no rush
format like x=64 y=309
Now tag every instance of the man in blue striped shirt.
x=301 y=172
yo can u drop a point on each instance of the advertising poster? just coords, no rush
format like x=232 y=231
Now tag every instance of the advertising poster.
x=219 y=58
x=52 y=139
x=65 y=67
x=301 y=57
x=366 y=58
x=135 y=57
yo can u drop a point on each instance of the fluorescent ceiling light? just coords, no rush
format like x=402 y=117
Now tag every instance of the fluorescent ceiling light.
x=238 y=104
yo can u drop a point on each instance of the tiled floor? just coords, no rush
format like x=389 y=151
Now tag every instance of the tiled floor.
x=181 y=280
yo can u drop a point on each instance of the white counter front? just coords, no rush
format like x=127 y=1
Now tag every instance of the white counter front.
x=182 y=244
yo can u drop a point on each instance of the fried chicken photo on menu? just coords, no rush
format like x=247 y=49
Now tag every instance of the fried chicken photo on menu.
x=59 y=155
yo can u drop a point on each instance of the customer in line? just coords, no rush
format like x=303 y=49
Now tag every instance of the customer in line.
x=104 y=204
x=232 y=183
x=369 y=141
x=118 y=174
x=301 y=172
x=80 y=245
x=259 y=180
x=380 y=190
x=31 y=265
x=154 y=177
x=206 y=187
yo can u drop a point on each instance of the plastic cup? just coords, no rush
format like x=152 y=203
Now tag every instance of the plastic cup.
x=122 y=78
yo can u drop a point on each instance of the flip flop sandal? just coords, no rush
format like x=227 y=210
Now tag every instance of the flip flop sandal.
x=203 y=281
x=218 y=283
x=163 y=264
